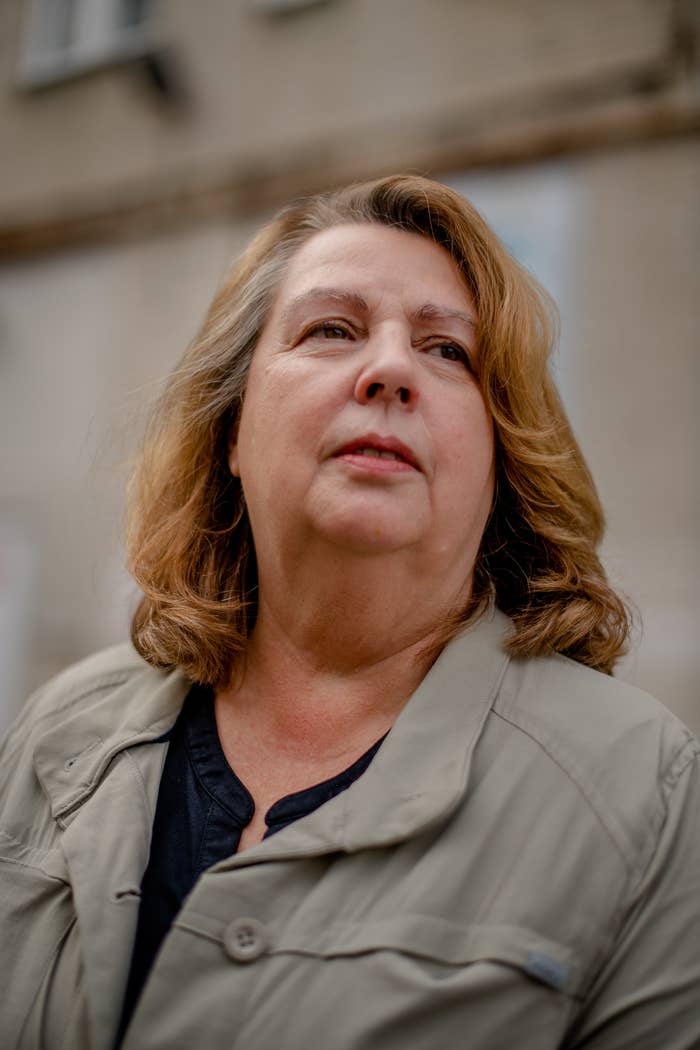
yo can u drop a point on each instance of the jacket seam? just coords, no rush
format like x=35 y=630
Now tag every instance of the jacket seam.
x=139 y=776
x=677 y=768
x=49 y=963
x=624 y=907
x=66 y=700
x=78 y=1004
x=83 y=690
x=34 y=867
x=11 y=840
x=630 y=867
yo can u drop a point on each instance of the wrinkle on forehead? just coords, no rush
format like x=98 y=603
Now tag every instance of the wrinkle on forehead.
x=335 y=266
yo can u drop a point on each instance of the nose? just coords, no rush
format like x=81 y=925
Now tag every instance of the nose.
x=389 y=374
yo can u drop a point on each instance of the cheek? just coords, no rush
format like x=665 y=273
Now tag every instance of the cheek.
x=469 y=437
x=469 y=474
x=263 y=407
x=282 y=417
x=295 y=409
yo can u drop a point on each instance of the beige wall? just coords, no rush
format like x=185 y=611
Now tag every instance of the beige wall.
x=340 y=89
x=634 y=318
x=88 y=335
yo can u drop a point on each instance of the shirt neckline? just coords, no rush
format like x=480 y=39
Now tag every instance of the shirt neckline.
x=221 y=783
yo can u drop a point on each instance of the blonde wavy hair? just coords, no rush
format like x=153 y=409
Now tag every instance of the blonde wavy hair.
x=190 y=543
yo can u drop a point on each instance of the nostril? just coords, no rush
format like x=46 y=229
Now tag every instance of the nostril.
x=404 y=394
x=373 y=388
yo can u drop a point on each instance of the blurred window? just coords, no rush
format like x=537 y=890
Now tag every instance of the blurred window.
x=65 y=38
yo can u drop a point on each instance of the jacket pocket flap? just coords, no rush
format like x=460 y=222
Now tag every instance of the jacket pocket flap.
x=441 y=941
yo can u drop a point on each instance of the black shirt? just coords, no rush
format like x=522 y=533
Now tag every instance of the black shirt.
x=201 y=812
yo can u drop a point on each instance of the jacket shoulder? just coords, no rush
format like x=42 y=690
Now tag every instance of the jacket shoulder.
x=622 y=749
x=72 y=726
x=94 y=674
x=562 y=699
x=74 y=689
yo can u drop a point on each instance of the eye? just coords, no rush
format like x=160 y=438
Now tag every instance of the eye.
x=450 y=352
x=328 y=330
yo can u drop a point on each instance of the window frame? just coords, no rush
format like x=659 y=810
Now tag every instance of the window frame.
x=65 y=39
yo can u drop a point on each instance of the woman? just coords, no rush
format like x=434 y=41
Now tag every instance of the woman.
x=366 y=781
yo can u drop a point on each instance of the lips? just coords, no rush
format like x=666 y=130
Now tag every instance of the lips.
x=373 y=445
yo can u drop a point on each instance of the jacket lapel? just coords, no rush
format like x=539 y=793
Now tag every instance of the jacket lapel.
x=107 y=833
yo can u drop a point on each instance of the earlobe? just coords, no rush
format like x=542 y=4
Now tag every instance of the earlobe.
x=233 y=461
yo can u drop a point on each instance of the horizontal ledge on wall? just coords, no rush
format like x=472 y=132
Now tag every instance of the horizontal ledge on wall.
x=447 y=143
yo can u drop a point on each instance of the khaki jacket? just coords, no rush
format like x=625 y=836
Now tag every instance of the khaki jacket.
x=518 y=867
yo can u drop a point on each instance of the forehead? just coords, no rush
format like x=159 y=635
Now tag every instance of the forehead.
x=376 y=260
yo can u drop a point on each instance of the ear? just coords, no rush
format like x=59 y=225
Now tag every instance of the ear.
x=233 y=460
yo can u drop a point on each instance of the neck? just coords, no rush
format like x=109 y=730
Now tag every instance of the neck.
x=336 y=652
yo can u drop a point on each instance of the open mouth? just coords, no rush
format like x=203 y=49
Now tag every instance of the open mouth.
x=377 y=453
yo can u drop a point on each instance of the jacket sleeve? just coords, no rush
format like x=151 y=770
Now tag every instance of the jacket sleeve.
x=647 y=994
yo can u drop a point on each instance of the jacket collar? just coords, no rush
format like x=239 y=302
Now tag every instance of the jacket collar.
x=421 y=767
x=116 y=711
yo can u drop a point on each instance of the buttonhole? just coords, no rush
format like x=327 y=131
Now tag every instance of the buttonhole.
x=126 y=893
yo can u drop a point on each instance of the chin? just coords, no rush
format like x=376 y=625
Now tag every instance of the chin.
x=371 y=540
x=371 y=533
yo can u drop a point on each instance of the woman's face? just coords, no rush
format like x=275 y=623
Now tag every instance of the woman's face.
x=363 y=426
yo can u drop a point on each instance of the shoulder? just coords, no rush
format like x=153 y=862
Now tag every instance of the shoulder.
x=621 y=750
x=599 y=718
x=92 y=677
x=94 y=673
x=85 y=714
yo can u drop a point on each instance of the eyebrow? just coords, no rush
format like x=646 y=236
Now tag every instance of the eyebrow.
x=431 y=312
x=335 y=295
x=354 y=301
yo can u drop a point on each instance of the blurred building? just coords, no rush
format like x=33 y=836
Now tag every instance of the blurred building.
x=141 y=142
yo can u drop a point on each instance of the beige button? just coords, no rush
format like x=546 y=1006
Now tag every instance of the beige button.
x=245 y=940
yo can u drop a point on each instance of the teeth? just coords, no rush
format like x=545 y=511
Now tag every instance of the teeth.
x=377 y=453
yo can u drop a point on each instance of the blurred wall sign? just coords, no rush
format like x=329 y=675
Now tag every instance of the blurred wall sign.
x=18 y=561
